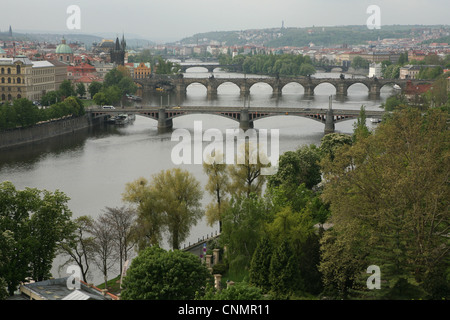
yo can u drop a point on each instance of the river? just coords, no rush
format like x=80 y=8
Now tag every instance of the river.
x=93 y=166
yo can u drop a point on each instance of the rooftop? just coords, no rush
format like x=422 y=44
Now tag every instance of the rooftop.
x=57 y=289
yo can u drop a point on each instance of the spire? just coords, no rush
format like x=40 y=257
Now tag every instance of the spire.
x=117 y=44
x=123 y=43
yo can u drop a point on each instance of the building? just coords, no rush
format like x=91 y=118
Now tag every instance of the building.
x=375 y=70
x=22 y=78
x=118 y=53
x=64 y=53
x=15 y=76
x=142 y=70
x=2 y=53
x=58 y=289
x=102 y=68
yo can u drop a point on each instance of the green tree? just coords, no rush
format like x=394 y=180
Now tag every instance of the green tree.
x=81 y=89
x=245 y=175
x=50 y=98
x=360 y=63
x=66 y=89
x=297 y=167
x=156 y=274
x=101 y=99
x=217 y=186
x=360 y=129
x=284 y=275
x=172 y=197
x=94 y=88
x=149 y=224
x=26 y=112
x=238 y=291
x=388 y=196
x=259 y=270
x=38 y=221
x=243 y=225
x=333 y=141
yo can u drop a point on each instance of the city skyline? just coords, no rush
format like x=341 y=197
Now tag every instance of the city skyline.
x=165 y=21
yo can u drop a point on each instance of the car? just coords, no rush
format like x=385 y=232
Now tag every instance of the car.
x=108 y=107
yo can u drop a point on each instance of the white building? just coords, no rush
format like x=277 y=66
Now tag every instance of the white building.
x=375 y=70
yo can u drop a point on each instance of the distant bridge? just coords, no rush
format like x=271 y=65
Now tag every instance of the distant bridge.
x=245 y=116
x=179 y=84
x=211 y=67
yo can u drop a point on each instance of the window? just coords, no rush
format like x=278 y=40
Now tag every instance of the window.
x=18 y=80
x=9 y=80
x=3 y=70
x=18 y=69
x=9 y=70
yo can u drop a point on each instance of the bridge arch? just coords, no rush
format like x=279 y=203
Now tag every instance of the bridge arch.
x=232 y=86
x=293 y=87
x=325 y=87
x=197 y=86
x=358 y=84
x=260 y=87
x=195 y=69
x=228 y=115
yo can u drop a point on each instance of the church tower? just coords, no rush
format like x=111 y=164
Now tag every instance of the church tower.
x=118 y=53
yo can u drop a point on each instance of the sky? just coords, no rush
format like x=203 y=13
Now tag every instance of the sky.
x=171 y=20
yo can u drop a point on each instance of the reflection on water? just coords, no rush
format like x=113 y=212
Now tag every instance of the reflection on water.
x=92 y=166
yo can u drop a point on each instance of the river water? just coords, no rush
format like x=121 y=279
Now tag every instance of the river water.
x=93 y=166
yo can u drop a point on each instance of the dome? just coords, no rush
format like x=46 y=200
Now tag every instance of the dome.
x=63 y=48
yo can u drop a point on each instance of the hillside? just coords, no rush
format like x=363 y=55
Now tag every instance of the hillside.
x=299 y=37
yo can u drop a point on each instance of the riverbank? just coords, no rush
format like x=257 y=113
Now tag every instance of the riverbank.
x=22 y=136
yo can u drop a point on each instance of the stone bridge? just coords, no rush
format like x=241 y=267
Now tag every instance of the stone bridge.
x=245 y=116
x=211 y=67
x=179 y=84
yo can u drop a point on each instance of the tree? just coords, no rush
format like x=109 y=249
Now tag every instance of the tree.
x=103 y=245
x=246 y=175
x=81 y=89
x=243 y=225
x=80 y=247
x=297 y=167
x=172 y=199
x=157 y=274
x=101 y=99
x=332 y=142
x=94 y=88
x=360 y=130
x=388 y=196
x=284 y=276
x=360 y=63
x=307 y=69
x=26 y=112
x=238 y=291
x=149 y=223
x=66 y=89
x=217 y=186
x=259 y=270
x=50 y=98
x=121 y=221
x=37 y=222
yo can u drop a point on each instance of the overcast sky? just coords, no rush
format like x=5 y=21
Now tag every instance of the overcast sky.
x=168 y=20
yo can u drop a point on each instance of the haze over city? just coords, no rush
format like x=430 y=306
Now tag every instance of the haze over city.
x=163 y=21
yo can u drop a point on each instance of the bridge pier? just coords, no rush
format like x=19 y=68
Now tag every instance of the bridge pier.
x=374 y=91
x=309 y=90
x=245 y=90
x=341 y=89
x=244 y=120
x=211 y=90
x=164 y=124
x=329 y=118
